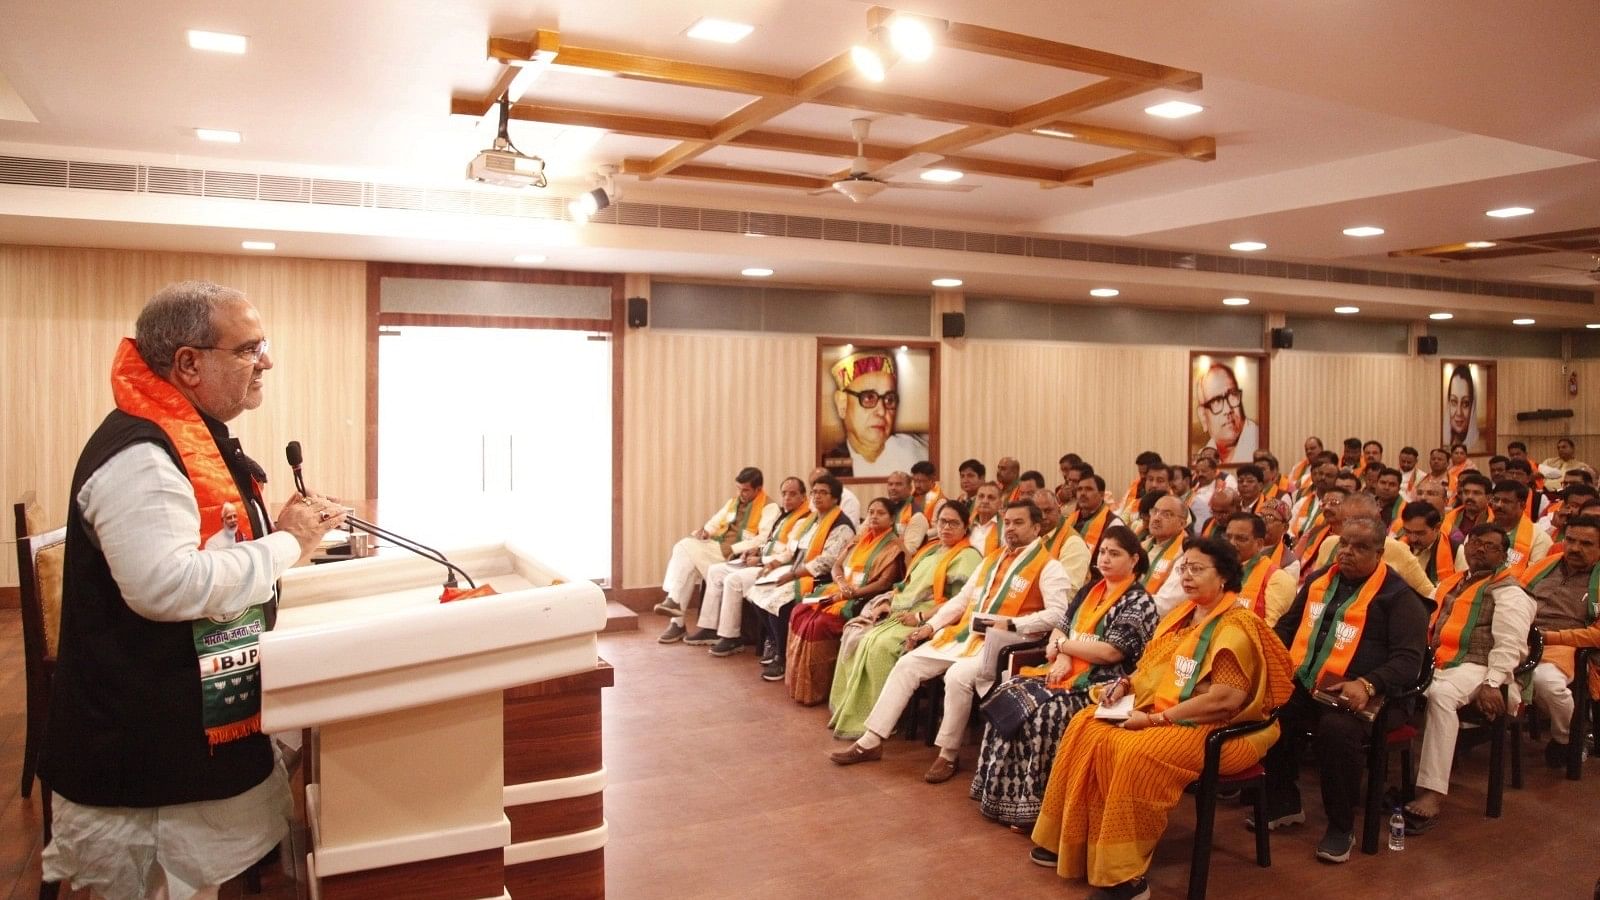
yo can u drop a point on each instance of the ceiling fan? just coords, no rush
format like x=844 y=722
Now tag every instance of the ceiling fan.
x=864 y=183
x=1593 y=272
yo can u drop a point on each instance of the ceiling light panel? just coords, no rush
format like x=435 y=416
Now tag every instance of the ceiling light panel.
x=1509 y=212
x=1104 y=292
x=942 y=176
x=1247 y=246
x=218 y=42
x=218 y=135
x=258 y=245
x=720 y=31
x=1173 y=109
x=1364 y=231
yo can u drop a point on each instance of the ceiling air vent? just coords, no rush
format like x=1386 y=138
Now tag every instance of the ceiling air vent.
x=103 y=176
x=36 y=172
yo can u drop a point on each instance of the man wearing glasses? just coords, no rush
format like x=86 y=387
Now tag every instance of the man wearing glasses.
x=1221 y=409
x=867 y=400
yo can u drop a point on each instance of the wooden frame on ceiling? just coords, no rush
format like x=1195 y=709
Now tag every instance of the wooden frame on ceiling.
x=830 y=84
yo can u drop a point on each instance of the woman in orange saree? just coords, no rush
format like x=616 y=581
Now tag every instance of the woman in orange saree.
x=1212 y=663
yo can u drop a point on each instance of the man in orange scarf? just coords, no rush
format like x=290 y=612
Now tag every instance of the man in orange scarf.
x=1564 y=594
x=163 y=780
x=1357 y=632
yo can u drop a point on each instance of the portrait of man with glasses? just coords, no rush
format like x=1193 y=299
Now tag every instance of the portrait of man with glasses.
x=1221 y=410
x=868 y=400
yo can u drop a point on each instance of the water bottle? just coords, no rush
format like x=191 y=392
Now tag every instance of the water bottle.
x=1397 y=830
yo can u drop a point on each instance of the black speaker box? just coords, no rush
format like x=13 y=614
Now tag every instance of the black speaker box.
x=1427 y=344
x=638 y=312
x=1282 y=338
x=955 y=325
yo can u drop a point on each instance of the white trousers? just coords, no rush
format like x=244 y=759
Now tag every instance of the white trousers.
x=964 y=679
x=722 y=608
x=1451 y=690
x=1551 y=694
x=690 y=559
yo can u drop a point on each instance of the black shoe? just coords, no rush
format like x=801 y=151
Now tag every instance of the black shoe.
x=773 y=671
x=1335 y=845
x=672 y=635
x=1555 y=755
x=669 y=607
x=769 y=652
x=1137 y=889
x=701 y=638
x=1042 y=857
x=727 y=647
x=1277 y=820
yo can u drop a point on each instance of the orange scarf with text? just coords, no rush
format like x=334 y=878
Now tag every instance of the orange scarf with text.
x=1010 y=582
x=1091 y=529
x=1258 y=570
x=1089 y=624
x=1331 y=657
x=1451 y=628
x=1188 y=661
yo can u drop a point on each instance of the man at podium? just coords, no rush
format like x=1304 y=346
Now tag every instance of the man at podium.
x=164 y=785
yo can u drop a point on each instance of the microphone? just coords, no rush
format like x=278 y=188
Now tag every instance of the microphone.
x=296 y=459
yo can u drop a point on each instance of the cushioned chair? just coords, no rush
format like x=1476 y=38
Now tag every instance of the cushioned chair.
x=1379 y=744
x=39 y=570
x=1582 y=712
x=1205 y=802
x=1495 y=733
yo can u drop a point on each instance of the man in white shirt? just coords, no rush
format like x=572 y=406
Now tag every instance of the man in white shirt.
x=159 y=789
x=734 y=528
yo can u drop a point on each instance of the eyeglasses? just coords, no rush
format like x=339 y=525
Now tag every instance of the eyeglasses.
x=1191 y=569
x=252 y=353
x=1216 y=405
x=869 y=399
x=952 y=523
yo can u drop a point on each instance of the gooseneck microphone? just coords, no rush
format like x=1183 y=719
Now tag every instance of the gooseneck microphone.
x=297 y=459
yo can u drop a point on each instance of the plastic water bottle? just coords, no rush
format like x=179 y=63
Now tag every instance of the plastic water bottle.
x=1397 y=830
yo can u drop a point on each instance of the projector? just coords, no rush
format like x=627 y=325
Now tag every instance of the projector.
x=507 y=168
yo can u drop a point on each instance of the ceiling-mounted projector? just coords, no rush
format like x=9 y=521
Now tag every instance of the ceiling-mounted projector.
x=503 y=164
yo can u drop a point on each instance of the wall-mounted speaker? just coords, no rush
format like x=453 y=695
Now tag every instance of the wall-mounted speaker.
x=1427 y=344
x=955 y=325
x=1282 y=338
x=638 y=312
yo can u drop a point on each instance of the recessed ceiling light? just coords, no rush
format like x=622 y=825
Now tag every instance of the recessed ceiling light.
x=258 y=245
x=217 y=41
x=719 y=30
x=1104 y=292
x=943 y=176
x=1364 y=231
x=218 y=135
x=1593 y=325
x=1235 y=301
x=1347 y=310
x=1247 y=246
x=1441 y=316
x=947 y=282
x=1479 y=245
x=1055 y=133
x=756 y=273
x=1173 y=109
x=1509 y=212
x=1522 y=321
x=531 y=258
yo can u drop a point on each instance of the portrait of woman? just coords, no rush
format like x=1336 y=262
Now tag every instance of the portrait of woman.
x=1469 y=406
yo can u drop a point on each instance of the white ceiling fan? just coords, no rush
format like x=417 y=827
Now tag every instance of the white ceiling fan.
x=864 y=183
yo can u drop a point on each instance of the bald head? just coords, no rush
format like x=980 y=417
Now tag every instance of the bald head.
x=1359 y=505
x=1224 y=502
x=1049 y=507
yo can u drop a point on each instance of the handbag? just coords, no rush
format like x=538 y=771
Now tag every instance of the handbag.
x=1012 y=703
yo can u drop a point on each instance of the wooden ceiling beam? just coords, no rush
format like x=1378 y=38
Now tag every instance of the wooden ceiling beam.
x=1105 y=167
x=729 y=176
x=1071 y=103
x=643 y=68
x=1202 y=148
x=871 y=100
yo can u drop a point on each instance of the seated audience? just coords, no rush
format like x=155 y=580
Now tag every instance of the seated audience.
x=1163 y=549
x=1099 y=640
x=1460 y=464
x=1061 y=541
x=1224 y=503
x=734 y=528
x=1205 y=481
x=1528 y=544
x=926 y=495
x=1092 y=515
x=1565 y=459
x=1008 y=474
x=1266 y=589
x=817 y=548
x=1478 y=637
x=848 y=502
x=1357 y=633
x=1030 y=481
x=875 y=638
x=868 y=566
x=1309 y=545
x=1565 y=590
x=1300 y=475
x=1250 y=484
x=1554 y=523
x=1276 y=515
x=972 y=473
x=1411 y=474
x=1019 y=588
x=1420 y=530
x=1432 y=493
x=1307 y=514
x=1182 y=485
x=1387 y=491
x=986 y=529
x=909 y=523
x=1211 y=663
x=1521 y=470
x=1137 y=488
x=722 y=607
x=1395 y=552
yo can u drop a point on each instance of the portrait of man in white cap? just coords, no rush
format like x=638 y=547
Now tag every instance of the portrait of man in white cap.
x=866 y=398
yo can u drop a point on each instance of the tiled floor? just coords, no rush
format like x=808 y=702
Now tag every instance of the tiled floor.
x=719 y=788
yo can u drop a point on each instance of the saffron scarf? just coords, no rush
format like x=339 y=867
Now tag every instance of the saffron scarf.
x=941 y=567
x=1089 y=623
x=1163 y=562
x=1521 y=546
x=1541 y=570
x=1443 y=563
x=786 y=525
x=227 y=652
x=1308 y=545
x=1010 y=582
x=1258 y=570
x=1452 y=629
x=1090 y=530
x=1453 y=474
x=1193 y=650
x=1057 y=539
x=1300 y=475
x=1349 y=620
x=860 y=565
x=1308 y=516
x=751 y=526
x=1276 y=556
x=928 y=504
x=991 y=541
x=820 y=529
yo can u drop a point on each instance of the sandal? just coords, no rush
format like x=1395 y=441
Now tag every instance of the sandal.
x=1416 y=823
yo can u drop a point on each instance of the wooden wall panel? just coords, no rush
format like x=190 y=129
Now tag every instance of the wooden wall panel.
x=1393 y=399
x=63 y=310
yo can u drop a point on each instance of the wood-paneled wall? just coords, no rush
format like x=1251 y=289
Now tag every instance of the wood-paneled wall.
x=63 y=310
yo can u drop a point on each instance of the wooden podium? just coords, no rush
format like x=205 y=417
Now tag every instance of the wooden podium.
x=455 y=749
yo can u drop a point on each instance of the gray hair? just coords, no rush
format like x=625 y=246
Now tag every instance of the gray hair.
x=179 y=315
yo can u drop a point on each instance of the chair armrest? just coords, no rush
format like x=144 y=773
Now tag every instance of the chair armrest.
x=1216 y=739
x=1003 y=659
x=1535 y=653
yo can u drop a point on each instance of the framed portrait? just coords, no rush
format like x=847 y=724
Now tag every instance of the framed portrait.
x=1227 y=404
x=877 y=407
x=1468 y=394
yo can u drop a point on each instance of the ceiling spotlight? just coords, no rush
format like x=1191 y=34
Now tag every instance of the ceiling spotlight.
x=219 y=135
x=1522 y=321
x=1509 y=212
x=867 y=62
x=1441 y=316
x=942 y=176
x=530 y=258
x=756 y=273
x=588 y=203
x=1235 y=301
x=1347 y=310
x=1479 y=245
x=1055 y=133
x=1592 y=325
x=1364 y=231
x=217 y=42
x=910 y=38
x=1104 y=292
x=720 y=31
x=1173 y=109
x=258 y=245
x=947 y=282
x=1247 y=246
